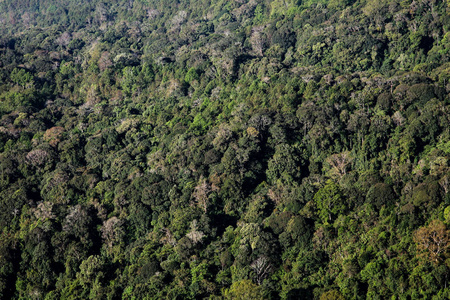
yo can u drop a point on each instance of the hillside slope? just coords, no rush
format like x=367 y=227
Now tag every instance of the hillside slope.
x=224 y=149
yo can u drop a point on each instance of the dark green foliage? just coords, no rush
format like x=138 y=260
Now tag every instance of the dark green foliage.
x=380 y=194
x=224 y=149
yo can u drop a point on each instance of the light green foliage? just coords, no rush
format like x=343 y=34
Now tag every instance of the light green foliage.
x=329 y=202
x=245 y=290
x=21 y=77
x=332 y=295
x=129 y=79
x=191 y=75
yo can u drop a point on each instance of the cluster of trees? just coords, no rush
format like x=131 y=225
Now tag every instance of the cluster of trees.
x=224 y=149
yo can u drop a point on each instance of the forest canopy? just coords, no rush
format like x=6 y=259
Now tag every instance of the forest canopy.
x=213 y=149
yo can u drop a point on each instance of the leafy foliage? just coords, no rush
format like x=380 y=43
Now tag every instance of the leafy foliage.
x=224 y=149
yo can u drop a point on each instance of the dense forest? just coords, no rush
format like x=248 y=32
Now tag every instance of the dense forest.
x=224 y=149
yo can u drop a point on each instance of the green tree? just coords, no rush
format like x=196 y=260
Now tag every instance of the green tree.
x=329 y=202
x=284 y=164
x=21 y=77
x=244 y=290
x=332 y=295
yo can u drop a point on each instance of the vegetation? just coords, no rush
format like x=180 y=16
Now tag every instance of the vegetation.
x=224 y=149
